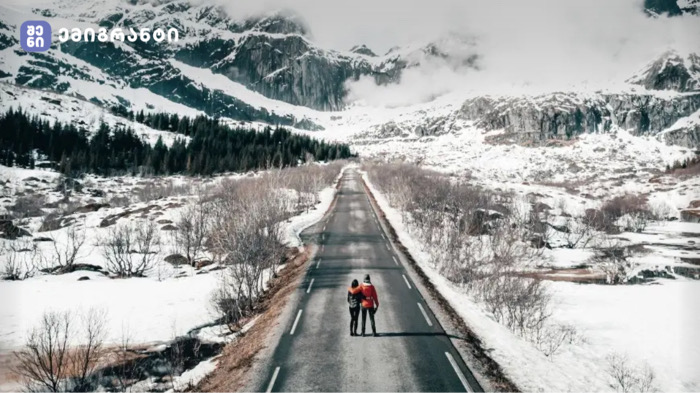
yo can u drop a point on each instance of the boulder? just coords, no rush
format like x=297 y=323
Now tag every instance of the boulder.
x=10 y=231
x=690 y=215
x=203 y=263
x=91 y=207
x=176 y=259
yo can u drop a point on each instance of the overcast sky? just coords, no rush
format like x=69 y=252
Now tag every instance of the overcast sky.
x=518 y=41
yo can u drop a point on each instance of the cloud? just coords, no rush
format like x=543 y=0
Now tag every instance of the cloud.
x=541 y=43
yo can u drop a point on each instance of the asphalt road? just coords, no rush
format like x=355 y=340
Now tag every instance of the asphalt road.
x=316 y=351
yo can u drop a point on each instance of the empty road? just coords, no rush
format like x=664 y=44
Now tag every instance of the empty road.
x=316 y=351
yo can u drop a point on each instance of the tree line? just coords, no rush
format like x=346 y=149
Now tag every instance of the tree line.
x=210 y=147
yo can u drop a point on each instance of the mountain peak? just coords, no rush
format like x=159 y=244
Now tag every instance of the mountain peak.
x=363 y=50
x=670 y=71
x=280 y=22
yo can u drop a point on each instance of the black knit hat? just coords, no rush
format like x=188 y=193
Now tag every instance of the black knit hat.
x=367 y=278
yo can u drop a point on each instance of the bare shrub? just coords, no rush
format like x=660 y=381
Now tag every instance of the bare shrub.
x=520 y=304
x=551 y=338
x=633 y=207
x=245 y=231
x=629 y=378
x=125 y=371
x=20 y=260
x=192 y=229
x=49 y=363
x=477 y=238
x=65 y=254
x=228 y=303
x=84 y=359
x=581 y=231
x=44 y=362
x=131 y=252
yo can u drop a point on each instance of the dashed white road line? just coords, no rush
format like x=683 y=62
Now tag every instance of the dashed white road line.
x=461 y=376
x=296 y=322
x=387 y=247
x=310 y=284
x=422 y=310
x=272 y=381
x=407 y=283
x=395 y=261
x=318 y=263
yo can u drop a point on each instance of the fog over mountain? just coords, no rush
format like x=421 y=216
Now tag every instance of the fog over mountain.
x=536 y=44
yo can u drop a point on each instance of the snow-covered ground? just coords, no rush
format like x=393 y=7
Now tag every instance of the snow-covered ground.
x=651 y=325
x=168 y=302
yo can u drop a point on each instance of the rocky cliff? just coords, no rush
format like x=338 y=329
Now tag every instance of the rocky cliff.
x=565 y=115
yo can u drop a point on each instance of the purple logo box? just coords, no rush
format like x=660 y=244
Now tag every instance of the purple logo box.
x=35 y=36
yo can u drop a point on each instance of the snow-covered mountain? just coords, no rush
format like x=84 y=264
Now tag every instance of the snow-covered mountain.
x=270 y=55
x=267 y=69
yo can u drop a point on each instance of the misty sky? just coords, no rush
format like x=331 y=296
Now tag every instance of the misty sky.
x=381 y=24
x=519 y=42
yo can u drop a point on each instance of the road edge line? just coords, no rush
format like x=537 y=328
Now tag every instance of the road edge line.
x=459 y=372
x=272 y=381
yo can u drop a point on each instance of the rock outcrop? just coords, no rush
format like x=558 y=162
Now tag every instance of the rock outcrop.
x=565 y=115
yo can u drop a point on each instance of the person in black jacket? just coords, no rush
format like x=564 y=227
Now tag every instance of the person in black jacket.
x=354 y=299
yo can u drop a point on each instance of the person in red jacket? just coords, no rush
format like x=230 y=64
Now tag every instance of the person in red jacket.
x=370 y=303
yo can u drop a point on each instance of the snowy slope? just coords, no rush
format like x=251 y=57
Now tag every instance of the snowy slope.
x=71 y=110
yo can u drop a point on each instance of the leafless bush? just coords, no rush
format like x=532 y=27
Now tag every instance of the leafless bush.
x=28 y=206
x=20 y=260
x=308 y=181
x=477 y=238
x=84 y=359
x=520 y=304
x=627 y=377
x=611 y=258
x=551 y=338
x=65 y=254
x=633 y=207
x=579 y=232
x=131 y=252
x=44 y=363
x=228 y=302
x=245 y=219
x=125 y=368
x=193 y=225
x=245 y=231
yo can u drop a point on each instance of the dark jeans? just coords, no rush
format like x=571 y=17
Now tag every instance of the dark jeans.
x=371 y=318
x=354 y=316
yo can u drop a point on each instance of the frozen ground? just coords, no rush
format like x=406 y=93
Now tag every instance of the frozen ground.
x=168 y=302
x=652 y=325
